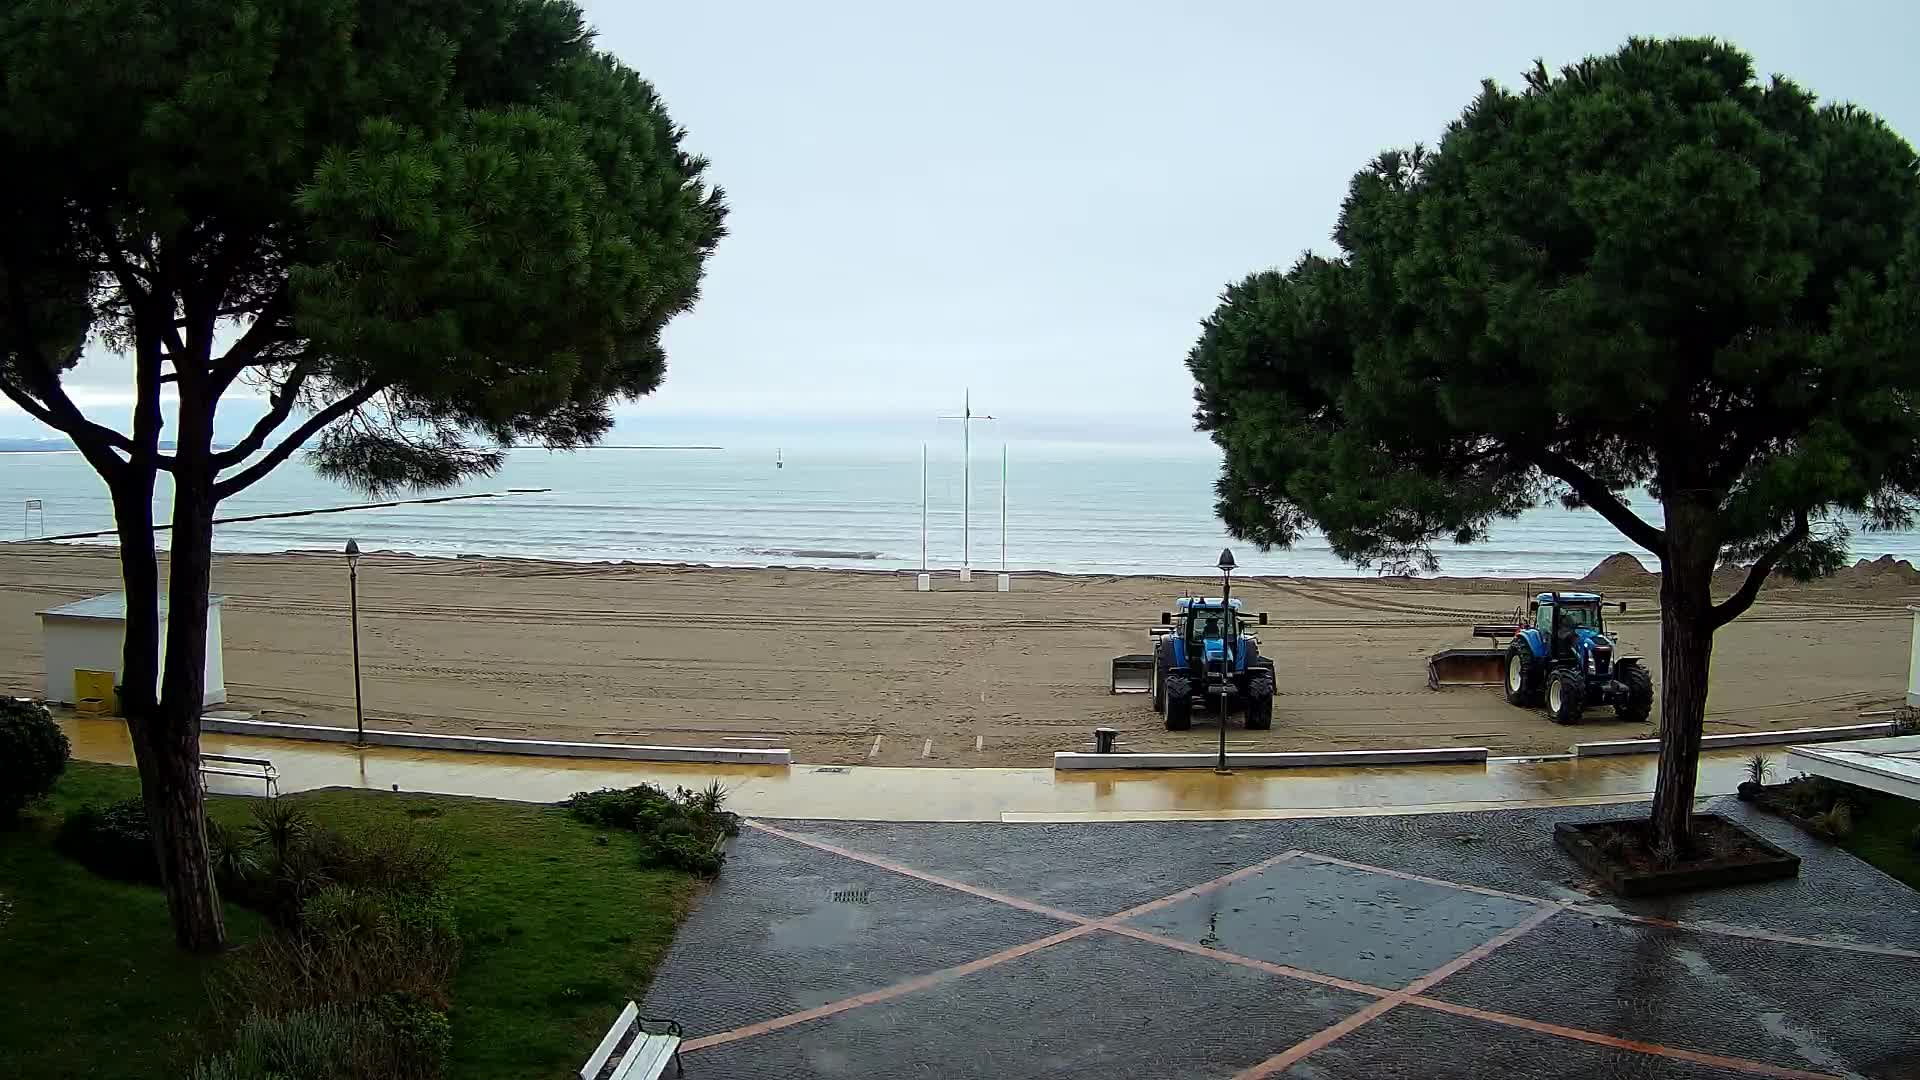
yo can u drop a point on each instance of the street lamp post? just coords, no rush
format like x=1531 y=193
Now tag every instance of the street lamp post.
x=1226 y=601
x=353 y=602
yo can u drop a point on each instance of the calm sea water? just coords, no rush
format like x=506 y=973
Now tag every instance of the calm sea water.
x=1074 y=508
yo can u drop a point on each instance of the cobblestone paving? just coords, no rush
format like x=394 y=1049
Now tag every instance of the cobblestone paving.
x=1456 y=945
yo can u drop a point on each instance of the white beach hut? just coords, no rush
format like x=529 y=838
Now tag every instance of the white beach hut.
x=87 y=635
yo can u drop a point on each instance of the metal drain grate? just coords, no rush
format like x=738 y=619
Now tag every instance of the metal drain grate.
x=832 y=769
x=851 y=896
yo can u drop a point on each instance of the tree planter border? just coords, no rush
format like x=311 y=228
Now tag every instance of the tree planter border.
x=1776 y=862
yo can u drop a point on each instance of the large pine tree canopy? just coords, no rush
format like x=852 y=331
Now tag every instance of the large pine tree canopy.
x=1647 y=270
x=409 y=222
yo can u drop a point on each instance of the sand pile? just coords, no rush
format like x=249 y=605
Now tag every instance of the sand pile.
x=1883 y=572
x=1620 y=571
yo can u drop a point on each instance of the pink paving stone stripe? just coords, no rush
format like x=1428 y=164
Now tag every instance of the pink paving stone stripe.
x=1319 y=1040
x=1270 y=968
x=1201 y=889
x=1598 y=911
x=886 y=993
x=1757 y=1068
x=931 y=879
x=1747 y=932
x=1423 y=879
x=1328 y=1036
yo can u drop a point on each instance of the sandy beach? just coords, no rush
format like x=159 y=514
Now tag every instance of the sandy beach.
x=835 y=663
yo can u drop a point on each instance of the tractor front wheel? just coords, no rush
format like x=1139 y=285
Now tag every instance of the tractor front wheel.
x=1179 y=703
x=1639 y=703
x=1260 y=701
x=1566 y=696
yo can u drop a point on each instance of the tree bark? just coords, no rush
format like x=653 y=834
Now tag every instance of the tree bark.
x=175 y=803
x=1686 y=660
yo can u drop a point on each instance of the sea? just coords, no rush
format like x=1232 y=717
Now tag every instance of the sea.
x=1067 y=507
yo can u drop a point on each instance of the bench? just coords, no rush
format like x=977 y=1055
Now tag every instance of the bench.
x=247 y=768
x=631 y=1052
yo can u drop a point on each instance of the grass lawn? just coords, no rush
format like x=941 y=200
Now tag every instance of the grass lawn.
x=560 y=933
x=1883 y=833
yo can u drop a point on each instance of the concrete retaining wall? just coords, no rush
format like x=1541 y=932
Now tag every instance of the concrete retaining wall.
x=1745 y=738
x=420 y=740
x=1445 y=755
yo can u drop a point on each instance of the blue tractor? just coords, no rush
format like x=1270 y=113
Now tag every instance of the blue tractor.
x=1566 y=661
x=1204 y=652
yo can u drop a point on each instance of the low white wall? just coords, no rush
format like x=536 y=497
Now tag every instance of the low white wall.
x=420 y=740
x=1745 y=738
x=1444 y=755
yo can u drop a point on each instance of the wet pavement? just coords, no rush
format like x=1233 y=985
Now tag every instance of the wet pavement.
x=939 y=794
x=1432 y=945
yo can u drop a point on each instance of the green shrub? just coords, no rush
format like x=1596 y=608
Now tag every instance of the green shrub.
x=113 y=842
x=297 y=859
x=33 y=754
x=308 y=1044
x=236 y=861
x=682 y=851
x=347 y=946
x=408 y=1039
x=681 y=831
x=1836 y=823
x=1810 y=796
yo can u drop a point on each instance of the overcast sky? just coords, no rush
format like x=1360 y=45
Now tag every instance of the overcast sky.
x=1042 y=200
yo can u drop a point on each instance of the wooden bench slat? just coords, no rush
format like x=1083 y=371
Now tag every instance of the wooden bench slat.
x=647 y=1058
x=614 y=1034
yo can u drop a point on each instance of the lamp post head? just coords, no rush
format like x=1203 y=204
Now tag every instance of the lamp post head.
x=353 y=552
x=1226 y=561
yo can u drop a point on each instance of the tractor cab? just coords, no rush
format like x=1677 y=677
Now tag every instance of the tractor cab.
x=1209 y=626
x=1572 y=623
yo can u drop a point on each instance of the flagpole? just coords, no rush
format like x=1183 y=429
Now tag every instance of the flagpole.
x=1003 y=508
x=923 y=508
x=966 y=490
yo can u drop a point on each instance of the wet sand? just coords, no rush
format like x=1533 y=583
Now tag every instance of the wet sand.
x=834 y=663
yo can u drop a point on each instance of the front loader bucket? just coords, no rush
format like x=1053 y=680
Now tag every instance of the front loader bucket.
x=1466 y=667
x=1132 y=674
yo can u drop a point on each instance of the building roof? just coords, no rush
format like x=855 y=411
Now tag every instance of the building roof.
x=109 y=606
x=1891 y=765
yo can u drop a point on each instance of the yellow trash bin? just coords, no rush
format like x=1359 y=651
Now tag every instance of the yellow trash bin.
x=89 y=686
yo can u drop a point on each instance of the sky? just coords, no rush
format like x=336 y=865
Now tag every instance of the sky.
x=1042 y=200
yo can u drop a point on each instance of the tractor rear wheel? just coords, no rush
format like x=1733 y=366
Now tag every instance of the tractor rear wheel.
x=1260 y=701
x=1162 y=665
x=1566 y=696
x=1523 y=675
x=1179 y=703
x=1639 y=703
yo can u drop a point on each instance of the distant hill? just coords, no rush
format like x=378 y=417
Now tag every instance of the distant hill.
x=58 y=446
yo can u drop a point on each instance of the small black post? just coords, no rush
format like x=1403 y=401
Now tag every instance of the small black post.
x=353 y=602
x=1103 y=738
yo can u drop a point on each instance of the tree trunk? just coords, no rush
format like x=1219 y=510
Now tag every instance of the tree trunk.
x=1686 y=660
x=176 y=805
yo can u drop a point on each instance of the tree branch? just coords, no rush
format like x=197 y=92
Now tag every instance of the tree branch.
x=245 y=478
x=282 y=407
x=1736 y=605
x=95 y=442
x=266 y=330
x=1596 y=495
